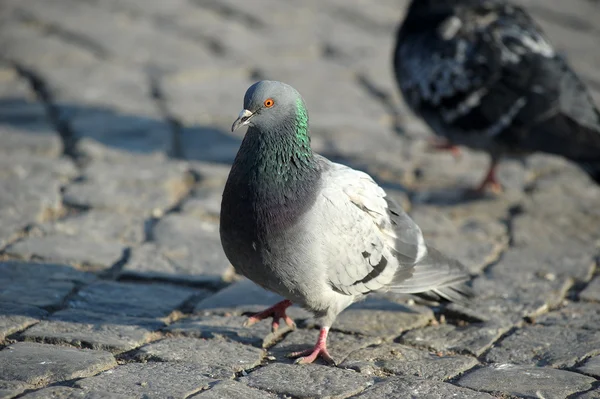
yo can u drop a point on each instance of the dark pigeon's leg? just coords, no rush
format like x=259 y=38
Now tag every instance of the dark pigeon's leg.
x=277 y=312
x=437 y=144
x=320 y=349
x=490 y=179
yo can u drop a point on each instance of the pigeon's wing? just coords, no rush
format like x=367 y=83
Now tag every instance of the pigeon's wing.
x=475 y=68
x=369 y=243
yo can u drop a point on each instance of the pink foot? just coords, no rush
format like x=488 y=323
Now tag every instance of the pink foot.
x=490 y=181
x=443 y=145
x=277 y=312
x=320 y=349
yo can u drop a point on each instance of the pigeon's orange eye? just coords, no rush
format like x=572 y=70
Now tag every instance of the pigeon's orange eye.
x=269 y=102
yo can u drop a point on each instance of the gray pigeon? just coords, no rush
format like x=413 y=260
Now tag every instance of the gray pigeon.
x=482 y=74
x=318 y=233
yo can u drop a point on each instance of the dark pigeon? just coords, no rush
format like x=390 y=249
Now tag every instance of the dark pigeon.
x=482 y=74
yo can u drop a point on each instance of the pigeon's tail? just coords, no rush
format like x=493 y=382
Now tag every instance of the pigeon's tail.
x=438 y=278
x=576 y=138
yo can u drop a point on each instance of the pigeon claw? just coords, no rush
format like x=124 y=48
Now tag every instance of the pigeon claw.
x=489 y=182
x=277 y=312
x=320 y=350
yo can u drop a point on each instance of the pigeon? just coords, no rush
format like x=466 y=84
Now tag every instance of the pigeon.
x=482 y=74
x=320 y=234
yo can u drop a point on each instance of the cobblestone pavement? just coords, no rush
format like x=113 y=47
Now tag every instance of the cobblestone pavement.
x=114 y=148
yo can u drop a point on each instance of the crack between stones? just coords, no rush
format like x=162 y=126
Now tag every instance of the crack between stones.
x=61 y=125
x=384 y=98
x=230 y=13
x=76 y=39
x=157 y=95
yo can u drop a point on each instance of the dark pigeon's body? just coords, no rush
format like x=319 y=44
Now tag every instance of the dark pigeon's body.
x=482 y=74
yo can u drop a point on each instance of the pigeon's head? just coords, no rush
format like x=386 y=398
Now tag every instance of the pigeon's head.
x=269 y=104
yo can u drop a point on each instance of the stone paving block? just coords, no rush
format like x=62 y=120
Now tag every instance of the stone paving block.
x=404 y=360
x=16 y=317
x=137 y=134
x=591 y=367
x=30 y=191
x=137 y=186
x=29 y=271
x=192 y=244
x=591 y=293
x=11 y=389
x=593 y=394
x=24 y=133
x=245 y=296
x=573 y=315
x=525 y=381
x=94 y=330
x=398 y=387
x=150 y=262
x=205 y=203
x=382 y=318
x=72 y=393
x=233 y=389
x=307 y=381
x=473 y=339
x=555 y=346
x=150 y=380
x=41 y=293
x=39 y=364
x=339 y=345
x=100 y=226
x=229 y=328
x=75 y=250
x=218 y=359
x=221 y=93
x=131 y=299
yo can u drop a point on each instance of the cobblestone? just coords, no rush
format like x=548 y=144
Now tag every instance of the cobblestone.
x=115 y=146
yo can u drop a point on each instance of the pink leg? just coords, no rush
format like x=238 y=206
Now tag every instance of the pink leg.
x=277 y=312
x=320 y=349
x=443 y=145
x=490 y=180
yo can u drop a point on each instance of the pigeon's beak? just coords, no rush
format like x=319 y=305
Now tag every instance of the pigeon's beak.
x=243 y=119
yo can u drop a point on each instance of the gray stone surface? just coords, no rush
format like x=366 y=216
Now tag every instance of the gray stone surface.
x=591 y=367
x=94 y=330
x=574 y=315
x=413 y=387
x=38 y=364
x=307 y=381
x=72 y=393
x=218 y=359
x=245 y=296
x=182 y=245
x=592 y=291
x=147 y=187
x=131 y=299
x=39 y=284
x=525 y=381
x=382 y=318
x=230 y=328
x=404 y=360
x=473 y=339
x=100 y=226
x=233 y=389
x=546 y=346
x=150 y=380
x=10 y=389
x=16 y=317
x=70 y=250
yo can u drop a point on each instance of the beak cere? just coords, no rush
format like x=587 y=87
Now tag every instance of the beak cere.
x=242 y=119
